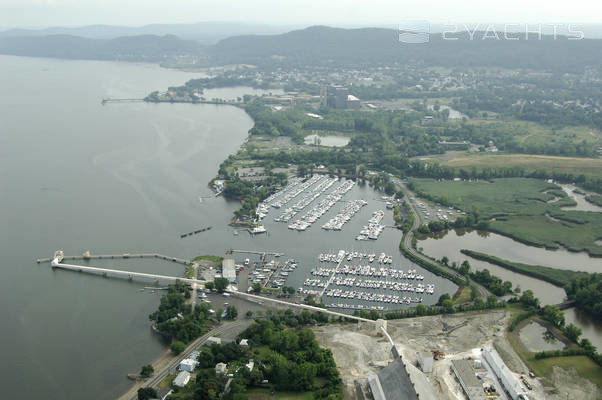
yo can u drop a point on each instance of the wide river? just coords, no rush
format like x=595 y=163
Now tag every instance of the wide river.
x=123 y=177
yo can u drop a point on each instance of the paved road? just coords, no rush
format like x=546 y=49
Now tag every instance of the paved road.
x=231 y=328
x=408 y=245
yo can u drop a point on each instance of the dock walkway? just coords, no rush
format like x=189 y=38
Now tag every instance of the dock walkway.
x=87 y=256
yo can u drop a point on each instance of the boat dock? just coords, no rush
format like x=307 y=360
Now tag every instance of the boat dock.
x=88 y=256
x=334 y=274
x=262 y=254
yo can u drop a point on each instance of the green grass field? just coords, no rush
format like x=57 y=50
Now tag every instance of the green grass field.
x=574 y=165
x=584 y=365
x=517 y=207
x=532 y=133
x=463 y=295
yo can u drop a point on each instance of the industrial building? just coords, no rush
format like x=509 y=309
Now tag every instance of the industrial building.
x=468 y=380
x=182 y=379
x=338 y=97
x=509 y=382
x=228 y=269
x=393 y=382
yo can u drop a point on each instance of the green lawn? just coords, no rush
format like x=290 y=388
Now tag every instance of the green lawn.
x=215 y=259
x=583 y=364
x=520 y=210
x=543 y=368
x=573 y=165
x=463 y=295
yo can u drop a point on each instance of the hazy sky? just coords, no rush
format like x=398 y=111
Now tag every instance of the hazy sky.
x=42 y=13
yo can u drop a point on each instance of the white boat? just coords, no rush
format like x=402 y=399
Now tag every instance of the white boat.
x=257 y=230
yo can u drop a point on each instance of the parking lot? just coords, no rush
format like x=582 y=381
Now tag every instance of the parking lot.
x=429 y=212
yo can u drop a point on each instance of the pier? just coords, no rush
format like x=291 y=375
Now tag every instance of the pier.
x=56 y=263
x=130 y=275
x=334 y=274
x=88 y=256
x=105 y=101
x=259 y=253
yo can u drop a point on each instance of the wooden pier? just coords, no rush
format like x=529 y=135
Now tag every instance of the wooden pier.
x=105 y=101
x=260 y=253
x=88 y=256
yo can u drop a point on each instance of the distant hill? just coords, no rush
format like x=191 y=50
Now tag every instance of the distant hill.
x=203 y=32
x=148 y=48
x=320 y=45
x=326 y=46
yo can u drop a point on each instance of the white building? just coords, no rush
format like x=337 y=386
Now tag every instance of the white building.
x=182 y=379
x=221 y=368
x=188 y=365
x=228 y=269
x=244 y=342
x=425 y=361
x=213 y=339
x=510 y=383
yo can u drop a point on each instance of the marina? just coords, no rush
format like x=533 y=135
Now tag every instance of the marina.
x=374 y=228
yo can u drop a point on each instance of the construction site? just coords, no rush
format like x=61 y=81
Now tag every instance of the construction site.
x=450 y=357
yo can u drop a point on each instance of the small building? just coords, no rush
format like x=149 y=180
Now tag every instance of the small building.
x=212 y=339
x=425 y=361
x=221 y=368
x=188 y=365
x=163 y=393
x=468 y=380
x=250 y=365
x=228 y=269
x=244 y=342
x=194 y=355
x=182 y=379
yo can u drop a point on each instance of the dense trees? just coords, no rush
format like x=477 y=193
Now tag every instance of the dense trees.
x=147 y=393
x=147 y=370
x=290 y=359
x=177 y=347
x=587 y=293
x=178 y=320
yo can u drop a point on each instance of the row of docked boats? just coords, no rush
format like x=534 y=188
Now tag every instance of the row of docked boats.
x=292 y=191
x=347 y=212
x=373 y=297
x=374 y=228
x=385 y=285
x=322 y=186
x=322 y=207
x=382 y=258
x=355 y=307
x=332 y=257
x=367 y=270
x=275 y=199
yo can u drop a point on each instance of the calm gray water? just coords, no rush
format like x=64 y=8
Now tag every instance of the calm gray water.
x=76 y=175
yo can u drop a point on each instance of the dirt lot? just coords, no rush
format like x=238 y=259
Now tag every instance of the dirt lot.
x=359 y=351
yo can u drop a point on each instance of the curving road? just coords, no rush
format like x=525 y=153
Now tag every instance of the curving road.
x=407 y=242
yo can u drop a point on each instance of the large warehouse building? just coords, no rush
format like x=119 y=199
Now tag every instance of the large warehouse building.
x=468 y=380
